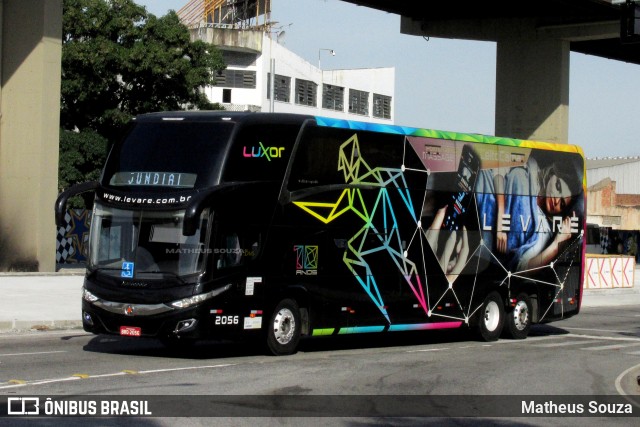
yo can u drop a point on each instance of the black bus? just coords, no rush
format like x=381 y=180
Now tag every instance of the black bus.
x=277 y=226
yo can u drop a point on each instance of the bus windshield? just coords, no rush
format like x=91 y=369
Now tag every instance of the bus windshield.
x=174 y=154
x=145 y=244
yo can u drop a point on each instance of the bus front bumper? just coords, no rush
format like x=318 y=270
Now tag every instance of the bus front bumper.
x=187 y=318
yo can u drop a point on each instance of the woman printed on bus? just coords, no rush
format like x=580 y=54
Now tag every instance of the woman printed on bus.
x=523 y=209
x=454 y=252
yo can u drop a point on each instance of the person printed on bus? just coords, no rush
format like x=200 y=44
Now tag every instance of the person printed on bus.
x=532 y=196
x=454 y=250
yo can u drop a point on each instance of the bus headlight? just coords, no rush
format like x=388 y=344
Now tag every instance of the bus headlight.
x=197 y=299
x=88 y=296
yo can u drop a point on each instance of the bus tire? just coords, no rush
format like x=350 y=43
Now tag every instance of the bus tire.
x=490 y=320
x=283 y=333
x=518 y=320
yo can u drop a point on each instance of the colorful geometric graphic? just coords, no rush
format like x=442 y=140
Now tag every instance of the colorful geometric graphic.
x=379 y=221
x=380 y=231
x=306 y=257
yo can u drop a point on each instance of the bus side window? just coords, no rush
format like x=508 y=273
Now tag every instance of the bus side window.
x=237 y=248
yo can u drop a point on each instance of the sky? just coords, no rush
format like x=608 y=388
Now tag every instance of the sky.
x=447 y=84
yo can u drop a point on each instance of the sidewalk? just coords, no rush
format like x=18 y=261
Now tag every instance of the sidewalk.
x=46 y=301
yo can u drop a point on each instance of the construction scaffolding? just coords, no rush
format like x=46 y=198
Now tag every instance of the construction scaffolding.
x=234 y=14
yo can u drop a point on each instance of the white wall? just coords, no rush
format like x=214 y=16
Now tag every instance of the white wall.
x=373 y=80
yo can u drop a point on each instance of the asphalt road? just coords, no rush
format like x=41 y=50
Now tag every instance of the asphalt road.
x=596 y=353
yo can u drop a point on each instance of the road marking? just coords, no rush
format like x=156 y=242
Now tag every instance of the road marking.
x=619 y=387
x=610 y=347
x=45 y=334
x=154 y=371
x=563 y=344
x=600 y=330
x=599 y=337
x=76 y=377
x=82 y=376
x=428 y=349
x=30 y=354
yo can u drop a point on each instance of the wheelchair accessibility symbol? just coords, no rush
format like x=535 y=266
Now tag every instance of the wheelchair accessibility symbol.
x=127 y=270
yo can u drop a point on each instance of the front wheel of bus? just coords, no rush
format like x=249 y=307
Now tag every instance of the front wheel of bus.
x=518 y=321
x=491 y=317
x=283 y=334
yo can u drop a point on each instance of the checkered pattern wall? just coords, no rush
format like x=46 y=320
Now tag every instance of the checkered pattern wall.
x=73 y=238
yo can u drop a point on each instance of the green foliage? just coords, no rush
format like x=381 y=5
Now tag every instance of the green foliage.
x=119 y=61
x=82 y=155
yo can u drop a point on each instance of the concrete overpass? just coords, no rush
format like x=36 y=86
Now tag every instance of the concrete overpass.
x=533 y=44
x=30 y=57
x=533 y=41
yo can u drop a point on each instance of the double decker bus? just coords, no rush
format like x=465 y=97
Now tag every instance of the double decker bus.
x=279 y=226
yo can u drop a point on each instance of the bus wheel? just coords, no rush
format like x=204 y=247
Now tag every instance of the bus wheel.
x=283 y=334
x=491 y=317
x=518 y=322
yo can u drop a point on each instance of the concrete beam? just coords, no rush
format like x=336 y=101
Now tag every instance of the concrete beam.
x=532 y=89
x=31 y=47
x=532 y=69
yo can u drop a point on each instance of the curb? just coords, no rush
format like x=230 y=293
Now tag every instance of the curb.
x=38 y=325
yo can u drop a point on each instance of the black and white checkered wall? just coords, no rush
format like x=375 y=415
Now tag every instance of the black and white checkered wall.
x=72 y=239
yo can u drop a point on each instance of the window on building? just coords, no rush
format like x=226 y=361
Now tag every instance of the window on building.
x=333 y=97
x=381 y=106
x=282 y=88
x=358 y=102
x=237 y=78
x=226 y=96
x=306 y=92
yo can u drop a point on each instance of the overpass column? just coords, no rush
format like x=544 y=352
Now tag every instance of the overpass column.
x=532 y=89
x=30 y=72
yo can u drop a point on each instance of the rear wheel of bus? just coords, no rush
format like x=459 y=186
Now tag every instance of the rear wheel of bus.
x=490 y=318
x=283 y=333
x=518 y=321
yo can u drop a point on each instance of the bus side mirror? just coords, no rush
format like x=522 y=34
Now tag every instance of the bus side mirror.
x=191 y=219
x=194 y=209
x=74 y=190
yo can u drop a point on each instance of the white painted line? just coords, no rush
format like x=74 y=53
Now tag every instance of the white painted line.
x=154 y=371
x=29 y=354
x=600 y=337
x=45 y=334
x=600 y=330
x=610 y=347
x=619 y=385
x=428 y=349
x=114 y=374
x=563 y=344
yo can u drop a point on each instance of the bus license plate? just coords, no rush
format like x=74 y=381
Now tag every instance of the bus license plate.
x=130 y=331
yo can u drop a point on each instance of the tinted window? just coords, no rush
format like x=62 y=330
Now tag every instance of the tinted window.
x=330 y=156
x=169 y=147
x=260 y=152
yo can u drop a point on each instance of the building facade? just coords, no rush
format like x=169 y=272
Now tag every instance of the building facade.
x=256 y=62
x=613 y=193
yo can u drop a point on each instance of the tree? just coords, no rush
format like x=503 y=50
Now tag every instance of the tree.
x=119 y=61
x=82 y=155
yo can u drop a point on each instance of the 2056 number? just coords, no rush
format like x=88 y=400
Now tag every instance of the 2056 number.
x=227 y=320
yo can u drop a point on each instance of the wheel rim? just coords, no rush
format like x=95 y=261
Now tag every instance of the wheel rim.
x=491 y=316
x=521 y=315
x=284 y=326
